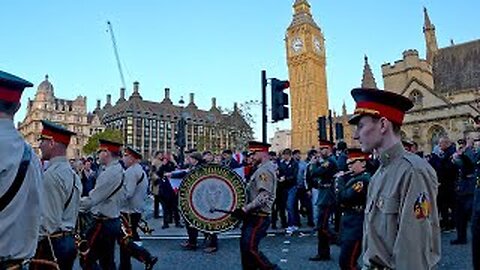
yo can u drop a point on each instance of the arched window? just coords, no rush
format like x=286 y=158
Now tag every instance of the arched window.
x=436 y=132
x=416 y=97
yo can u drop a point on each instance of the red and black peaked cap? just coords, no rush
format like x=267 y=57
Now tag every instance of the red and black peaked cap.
x=254 y=146
x=55 y=132
x=106 y=145
x=131 y=151
x=325 y=144
x=11 y=87
x=355 y=154
x=380 y=103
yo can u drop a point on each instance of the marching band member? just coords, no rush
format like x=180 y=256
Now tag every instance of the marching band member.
x=351 y=193
x=104 y=202
x=256 y=213
x=60 y=207
x=136 y=185
x=20 y=182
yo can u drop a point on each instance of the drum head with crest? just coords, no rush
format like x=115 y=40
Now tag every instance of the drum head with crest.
x=207 y=194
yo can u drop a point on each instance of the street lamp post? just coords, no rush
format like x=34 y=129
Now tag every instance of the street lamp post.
x=180 y=139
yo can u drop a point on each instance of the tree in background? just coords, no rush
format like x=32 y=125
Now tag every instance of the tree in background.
x=109 y=134
x=244 y=118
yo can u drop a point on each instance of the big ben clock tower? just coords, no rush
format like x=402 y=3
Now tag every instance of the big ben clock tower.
x=308 y=83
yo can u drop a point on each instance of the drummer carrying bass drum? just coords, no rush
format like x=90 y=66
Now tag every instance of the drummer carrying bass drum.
x=256 y=213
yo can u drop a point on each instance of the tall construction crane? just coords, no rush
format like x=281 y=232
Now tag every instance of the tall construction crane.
x=115 y=50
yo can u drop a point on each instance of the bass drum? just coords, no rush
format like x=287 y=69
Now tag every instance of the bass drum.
x=207 y=194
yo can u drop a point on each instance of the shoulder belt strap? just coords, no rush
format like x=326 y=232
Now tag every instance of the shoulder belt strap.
x=116 y=189
x=71 y=194
x=18 y=181
x=141 y=178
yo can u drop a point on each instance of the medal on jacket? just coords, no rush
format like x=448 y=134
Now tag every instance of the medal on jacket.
x=358 y=186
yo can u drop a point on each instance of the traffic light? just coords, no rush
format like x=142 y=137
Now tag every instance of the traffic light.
x=279 y=99
x=180 y=137
x=322 y=127
x=339 y=131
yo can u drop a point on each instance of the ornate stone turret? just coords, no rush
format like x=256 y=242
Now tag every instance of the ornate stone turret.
x=368 y=80
x=45 y=91
x=430 y=37
x=302 y=14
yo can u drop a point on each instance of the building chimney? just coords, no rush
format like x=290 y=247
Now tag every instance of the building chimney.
x=122 y=93
x=135 y=87
x=99 y=103
x=167 y=93
x=192 y=100
x=214 y=102
x=109 y=99
x=235 y=107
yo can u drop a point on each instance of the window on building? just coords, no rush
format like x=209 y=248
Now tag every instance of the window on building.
x=129 y=130
x=436 y=132
x=138 y=141
x=416 y=97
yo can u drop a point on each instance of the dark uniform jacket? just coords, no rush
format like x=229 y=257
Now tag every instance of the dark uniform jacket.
x=465 y=163
x=352 y=197
x=323 y=180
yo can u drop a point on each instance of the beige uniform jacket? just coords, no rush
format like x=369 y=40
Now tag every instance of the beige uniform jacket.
x=99 y=200
x=60 y=182
x=261 y=189
x=20 y=220
x=135 y=189
x=401 y=228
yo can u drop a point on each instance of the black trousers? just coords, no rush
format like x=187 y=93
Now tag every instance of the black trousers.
x=254 y=229
x=128 y=247
x=211 y=239
x=476 y=239
x=64 y=250
x=323 y=234
x=350 y=251
x=446 y=206
x=280 y=207
x=102 y=239
x=463 y=212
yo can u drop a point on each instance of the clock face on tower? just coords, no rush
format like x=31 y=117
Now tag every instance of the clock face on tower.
x=297 y=44
x=317 y=45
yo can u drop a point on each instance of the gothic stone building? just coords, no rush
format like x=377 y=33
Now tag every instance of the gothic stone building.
x=445 y=88
x=150 y=126
x=71 y=114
